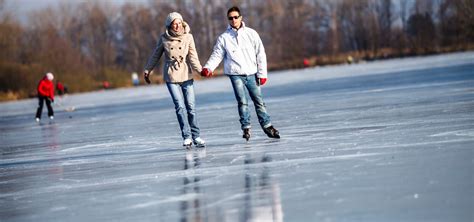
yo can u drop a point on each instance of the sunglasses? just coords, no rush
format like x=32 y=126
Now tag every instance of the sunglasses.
x=233 y=17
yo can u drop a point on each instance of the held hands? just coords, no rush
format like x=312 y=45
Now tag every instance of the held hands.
x=261 y=81
x=206 y=72
x=146 y=76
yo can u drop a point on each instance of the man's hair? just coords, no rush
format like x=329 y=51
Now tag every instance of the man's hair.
x=233 y=9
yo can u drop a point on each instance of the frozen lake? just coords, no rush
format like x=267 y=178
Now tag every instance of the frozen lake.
x=383 y=141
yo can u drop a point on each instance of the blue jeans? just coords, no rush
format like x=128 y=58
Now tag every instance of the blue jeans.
x=184 y=104
x=240 y=83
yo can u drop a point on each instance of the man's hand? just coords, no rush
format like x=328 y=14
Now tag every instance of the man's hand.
x=146 y=76
x=206 y=72
x=261 y=81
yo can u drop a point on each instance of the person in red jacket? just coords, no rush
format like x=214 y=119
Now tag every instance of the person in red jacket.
x=45 y=94
x=60 y=88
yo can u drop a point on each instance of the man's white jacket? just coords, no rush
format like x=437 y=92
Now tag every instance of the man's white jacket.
x=242 y=51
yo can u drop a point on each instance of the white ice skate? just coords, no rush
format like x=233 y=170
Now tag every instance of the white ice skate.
x=187 y=143
x=199 y=142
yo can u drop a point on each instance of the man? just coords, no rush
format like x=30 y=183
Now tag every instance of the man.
x=245 y=64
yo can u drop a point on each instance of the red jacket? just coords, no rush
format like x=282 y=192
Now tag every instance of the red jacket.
x=60 y=86
x=46 y=88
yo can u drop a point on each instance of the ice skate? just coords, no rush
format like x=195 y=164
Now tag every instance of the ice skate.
x=272 y=132
x=147 y=79
x=199 y=142
x=246 y=134
x=37 y=120
x=187 y=143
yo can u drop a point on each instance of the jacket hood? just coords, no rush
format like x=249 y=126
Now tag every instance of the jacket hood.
x=171 y=17
x=186 y=28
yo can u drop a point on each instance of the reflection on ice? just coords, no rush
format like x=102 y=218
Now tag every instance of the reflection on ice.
x=259 y=201
x=262 y=193
x=191 y=208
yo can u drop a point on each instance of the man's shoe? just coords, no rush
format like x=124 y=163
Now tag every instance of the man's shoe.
x=246 y=134
x=272 y=132
x=199 y=142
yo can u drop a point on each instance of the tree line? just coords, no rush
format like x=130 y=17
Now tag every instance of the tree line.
x=87 y=43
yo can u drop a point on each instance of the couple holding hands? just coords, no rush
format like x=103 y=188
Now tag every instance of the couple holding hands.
x=245 y=64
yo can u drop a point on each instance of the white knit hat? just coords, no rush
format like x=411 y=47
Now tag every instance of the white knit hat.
x=171 y=17
x=50 y=76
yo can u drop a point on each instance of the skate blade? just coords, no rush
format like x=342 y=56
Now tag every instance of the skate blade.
x=275 y=136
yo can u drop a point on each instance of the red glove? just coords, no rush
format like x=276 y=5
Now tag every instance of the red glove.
x=206 y=72
x=262 y=81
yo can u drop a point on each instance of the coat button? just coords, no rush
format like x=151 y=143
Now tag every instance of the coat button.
x=179 y=47
x=171 y=48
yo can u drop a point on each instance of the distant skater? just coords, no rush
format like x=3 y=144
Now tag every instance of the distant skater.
x=245 y=63
x=177 y=44
x=45 y=95
x=60 y=88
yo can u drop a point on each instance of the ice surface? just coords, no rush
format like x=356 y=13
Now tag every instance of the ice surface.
x=382 y=141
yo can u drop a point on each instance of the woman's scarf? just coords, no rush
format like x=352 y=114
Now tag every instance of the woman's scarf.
x=170 y=34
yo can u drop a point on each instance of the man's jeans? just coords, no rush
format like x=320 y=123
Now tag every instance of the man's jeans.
x=240 y=83
x=184 y=103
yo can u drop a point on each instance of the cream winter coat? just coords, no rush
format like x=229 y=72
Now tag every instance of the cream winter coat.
x=180 y=56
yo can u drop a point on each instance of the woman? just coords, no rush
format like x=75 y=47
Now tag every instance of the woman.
x=177 y=44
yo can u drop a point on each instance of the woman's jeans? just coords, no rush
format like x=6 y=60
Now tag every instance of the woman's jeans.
x=184 y=104
x=240 y=83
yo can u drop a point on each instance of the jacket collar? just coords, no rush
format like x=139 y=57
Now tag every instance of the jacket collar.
x=230 y=28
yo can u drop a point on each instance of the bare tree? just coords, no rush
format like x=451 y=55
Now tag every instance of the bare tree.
x=465 y=17
x=385 y=13
x=355 y=24
x=4 y=14
x=99 y=34
x=421 y=29
x=137 y=36
x=10 y=39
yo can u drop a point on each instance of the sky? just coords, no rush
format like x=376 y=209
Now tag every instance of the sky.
x=24 y=6
x=20 y=8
